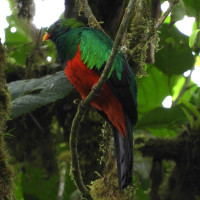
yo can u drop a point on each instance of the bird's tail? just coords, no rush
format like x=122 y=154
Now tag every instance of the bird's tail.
x=124 y=154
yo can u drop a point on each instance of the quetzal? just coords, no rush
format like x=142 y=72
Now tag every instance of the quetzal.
x=83 y=52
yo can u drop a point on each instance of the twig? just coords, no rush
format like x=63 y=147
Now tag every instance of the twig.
x=162 y=19
x=183 y=89
x=84 y=7
x=89 y=14
x=75 y=168
x=96 y=88
x=36 y=122
x=85 y=103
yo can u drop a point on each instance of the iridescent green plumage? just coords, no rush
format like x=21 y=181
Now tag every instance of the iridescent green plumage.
x=95 y=49
x=83 y=52
x=95 y=46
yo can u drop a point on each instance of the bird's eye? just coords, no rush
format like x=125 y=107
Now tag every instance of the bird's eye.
x=57 y=24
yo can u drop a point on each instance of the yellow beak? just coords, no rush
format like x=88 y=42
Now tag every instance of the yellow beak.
x=46 y=37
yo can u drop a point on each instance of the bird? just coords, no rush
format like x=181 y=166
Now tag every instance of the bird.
x=83 y=52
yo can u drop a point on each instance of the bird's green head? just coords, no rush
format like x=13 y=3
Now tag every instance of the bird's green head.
x=61 y=26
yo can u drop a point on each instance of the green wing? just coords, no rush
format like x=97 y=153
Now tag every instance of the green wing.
x=95 y=49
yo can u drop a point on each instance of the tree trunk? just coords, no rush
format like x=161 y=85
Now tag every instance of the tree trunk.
x=6 y=176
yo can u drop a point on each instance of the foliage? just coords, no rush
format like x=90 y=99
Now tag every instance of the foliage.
x=28 y=95
x=49 y=116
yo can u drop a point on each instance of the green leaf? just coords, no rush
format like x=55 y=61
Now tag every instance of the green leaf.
x=190 y=107
x=178 y=12
x=165 y=132
x=193 y=37
x=192 y=7
x=196 y=98
x=162 y=117
x=28 y=95
x=18 y=187
x=174 y=61
x=8 y=134
x=152 y=89
x=180 y=80
x=175 y=56
x=69 y=185
x=178 y=86
x=20 y=43
x=189 y=117
x=188 y=91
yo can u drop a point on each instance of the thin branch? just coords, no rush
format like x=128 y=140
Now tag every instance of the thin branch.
x=159 y=148
x=91 y=18
x=183 y=89
x=162 y=19
x=115 y=49
x=84 y=7
x=85 y=103
x=36 y=122
x=75 y=168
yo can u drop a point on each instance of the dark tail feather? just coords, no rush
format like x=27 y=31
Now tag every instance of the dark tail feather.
x=124 y=154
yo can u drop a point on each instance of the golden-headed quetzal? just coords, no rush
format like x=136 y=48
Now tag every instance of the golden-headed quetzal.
x=83 y=52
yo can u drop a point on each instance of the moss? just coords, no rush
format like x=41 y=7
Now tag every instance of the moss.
x=106 y=186
x=85 y=14
x=4 y=103
x=138 y=36
x=6 y=175
x=88 y=146
x=104 y=145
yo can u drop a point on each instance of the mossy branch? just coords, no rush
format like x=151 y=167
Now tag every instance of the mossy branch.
x=91 y=18
x=84 y=7
x=158 y=147
x=6 y=176
x=142 y=34
x=85 y=103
